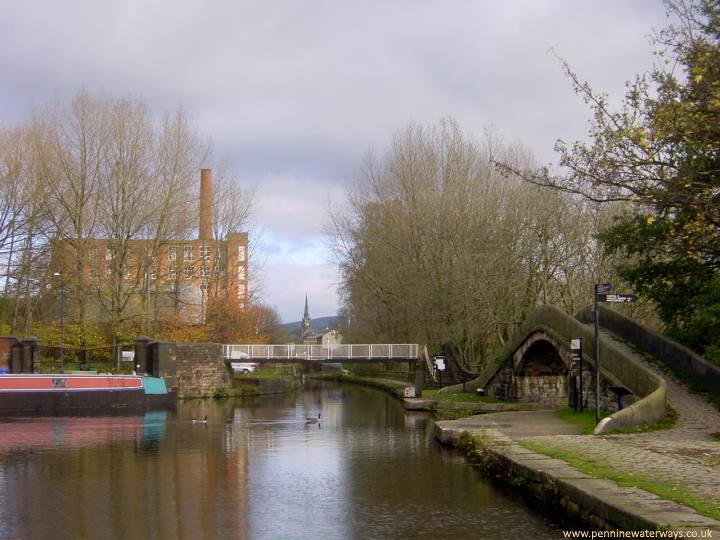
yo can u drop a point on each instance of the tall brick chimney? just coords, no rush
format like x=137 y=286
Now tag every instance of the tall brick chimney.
x=206 y=205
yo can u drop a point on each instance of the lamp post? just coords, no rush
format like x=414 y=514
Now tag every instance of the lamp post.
x=62 y=321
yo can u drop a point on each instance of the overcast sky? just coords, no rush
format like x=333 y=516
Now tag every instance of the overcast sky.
x=294 y=93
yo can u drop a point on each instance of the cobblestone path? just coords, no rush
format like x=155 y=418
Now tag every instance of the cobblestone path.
x=685 y=456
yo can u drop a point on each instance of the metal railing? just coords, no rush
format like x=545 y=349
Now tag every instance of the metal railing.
x=394 y=351
x=430 y=366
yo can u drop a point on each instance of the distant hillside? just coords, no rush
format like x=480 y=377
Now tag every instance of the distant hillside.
x=318 y=324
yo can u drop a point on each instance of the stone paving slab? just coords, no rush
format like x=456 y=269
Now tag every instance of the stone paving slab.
x=632 y=507
x=517 y=425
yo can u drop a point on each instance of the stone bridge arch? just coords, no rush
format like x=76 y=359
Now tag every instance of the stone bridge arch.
x=539 y=372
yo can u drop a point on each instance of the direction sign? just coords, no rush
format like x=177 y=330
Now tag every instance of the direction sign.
x=575 y=351
x=627 y=298
x=603 y=288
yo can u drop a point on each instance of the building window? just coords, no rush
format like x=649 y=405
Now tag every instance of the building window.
x=187 y=253
x=172 y=272
x=153 y=274
x=204 y=253
x=108 y=254
x=204 y=274
x=93 y=253
x=172 y=254
x=241 y=253
x=241 y=272
x=127 y=274
x=108 y=271
x=241 y=291
x=94 y=273
x=189 y=272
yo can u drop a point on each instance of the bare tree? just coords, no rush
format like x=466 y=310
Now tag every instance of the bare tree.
x=68 y=150
x=437 y=246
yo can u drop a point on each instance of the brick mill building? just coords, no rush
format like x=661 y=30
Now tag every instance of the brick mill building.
x=168 y=277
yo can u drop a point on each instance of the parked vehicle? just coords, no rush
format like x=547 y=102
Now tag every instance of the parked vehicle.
x=244 y=367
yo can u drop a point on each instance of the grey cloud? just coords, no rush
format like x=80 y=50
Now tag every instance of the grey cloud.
x=296 y=92
x=318 y=281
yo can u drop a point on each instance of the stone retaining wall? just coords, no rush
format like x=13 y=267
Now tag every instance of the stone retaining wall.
x=251 y=386
x=600 y=503
x=193 y=369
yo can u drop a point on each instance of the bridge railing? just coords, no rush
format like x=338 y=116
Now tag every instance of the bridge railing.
x=389 y=351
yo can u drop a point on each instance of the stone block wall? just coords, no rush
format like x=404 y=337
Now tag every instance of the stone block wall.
x=193 y=369
x=549 y=389
x=526 y=380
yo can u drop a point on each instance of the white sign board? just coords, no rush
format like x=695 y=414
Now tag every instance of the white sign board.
x=440 y=364
x=410 y=391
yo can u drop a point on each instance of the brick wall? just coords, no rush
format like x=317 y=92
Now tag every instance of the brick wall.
x=6 y=344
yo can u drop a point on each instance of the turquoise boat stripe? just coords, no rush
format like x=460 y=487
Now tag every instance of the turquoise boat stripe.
x=154 y=385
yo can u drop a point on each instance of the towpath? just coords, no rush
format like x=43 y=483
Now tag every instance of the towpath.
x=685 y=457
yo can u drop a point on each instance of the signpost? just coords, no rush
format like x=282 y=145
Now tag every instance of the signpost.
x=601 y=295
x=440 y=366
x=576 y=358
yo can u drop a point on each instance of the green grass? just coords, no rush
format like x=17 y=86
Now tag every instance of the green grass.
x=585 y=419
x=709 y=507
x=476 y=446
x=267 y=373
x=457 y=397
x=667 y=422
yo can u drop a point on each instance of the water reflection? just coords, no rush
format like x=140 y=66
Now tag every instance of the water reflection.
x=368 y=469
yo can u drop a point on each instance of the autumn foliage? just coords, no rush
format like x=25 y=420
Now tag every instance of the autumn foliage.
x=225 y=322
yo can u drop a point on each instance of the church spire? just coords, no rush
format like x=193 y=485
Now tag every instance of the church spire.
x=306 y=321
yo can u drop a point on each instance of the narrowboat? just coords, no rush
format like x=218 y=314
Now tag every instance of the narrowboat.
x=52 y=393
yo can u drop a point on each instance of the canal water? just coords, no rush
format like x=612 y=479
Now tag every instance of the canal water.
x=367 y=469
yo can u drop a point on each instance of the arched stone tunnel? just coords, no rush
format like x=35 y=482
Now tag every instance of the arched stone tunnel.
x=539 y=372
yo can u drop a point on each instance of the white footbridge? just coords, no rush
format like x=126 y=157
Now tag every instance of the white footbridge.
x=394 y=352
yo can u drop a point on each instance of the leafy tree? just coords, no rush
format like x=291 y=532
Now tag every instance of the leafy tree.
x=660 y=156
x=225 y=322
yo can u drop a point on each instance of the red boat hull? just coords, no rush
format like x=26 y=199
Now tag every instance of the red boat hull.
x=62 y=394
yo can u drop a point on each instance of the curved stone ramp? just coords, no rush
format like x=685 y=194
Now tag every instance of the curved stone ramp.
x=617 y=364
x=664 y=349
